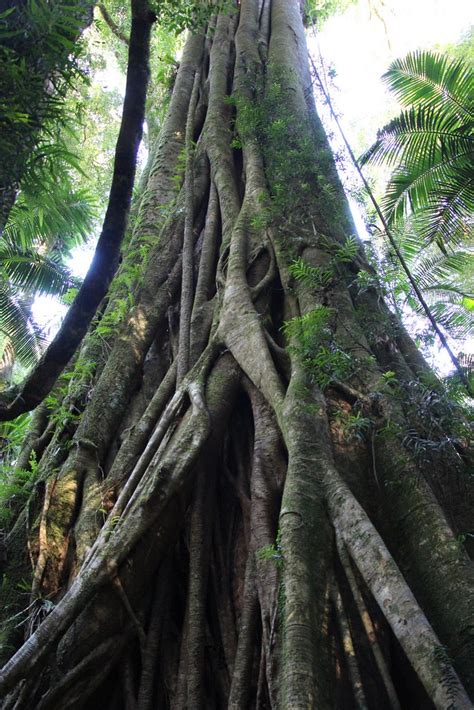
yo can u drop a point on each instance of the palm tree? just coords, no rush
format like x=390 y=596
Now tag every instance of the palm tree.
x=445 y=280
x=431 y=146
x=24 y=274
x=43 y=226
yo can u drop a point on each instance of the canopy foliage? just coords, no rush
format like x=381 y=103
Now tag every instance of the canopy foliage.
x=431 y=146
x=242 y=477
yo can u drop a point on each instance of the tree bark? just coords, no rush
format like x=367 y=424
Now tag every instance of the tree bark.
x=213 y=518
x=94 y=288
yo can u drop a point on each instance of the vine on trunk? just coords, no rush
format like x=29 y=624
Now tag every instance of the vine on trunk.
x=231 y=518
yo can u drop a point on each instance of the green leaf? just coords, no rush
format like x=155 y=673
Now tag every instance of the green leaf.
x=430 y=145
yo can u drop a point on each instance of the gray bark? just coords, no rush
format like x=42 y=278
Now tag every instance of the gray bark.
x=255 y=553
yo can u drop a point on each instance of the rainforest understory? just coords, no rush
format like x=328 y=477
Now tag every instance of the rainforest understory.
x=227 y=510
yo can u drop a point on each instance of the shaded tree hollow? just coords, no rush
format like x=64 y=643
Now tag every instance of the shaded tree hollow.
x=226 y=512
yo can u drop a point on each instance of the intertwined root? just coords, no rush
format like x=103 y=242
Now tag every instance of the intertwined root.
x=208 y=533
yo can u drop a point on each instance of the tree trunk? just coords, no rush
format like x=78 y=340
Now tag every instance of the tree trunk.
x=226 y=513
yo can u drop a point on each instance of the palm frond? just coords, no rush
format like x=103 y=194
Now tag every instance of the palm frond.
x=33 y=273
x=456 y=320
x=54 y=216
x=17 y=324
x=449 y=293
x=433 y=270
x=422 y=184
x=448 y=218
x=419 y=133
x=432 y=80
x=431 y=147
x=442 y=279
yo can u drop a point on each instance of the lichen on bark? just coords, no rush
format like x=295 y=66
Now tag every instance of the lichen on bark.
x=218 y=538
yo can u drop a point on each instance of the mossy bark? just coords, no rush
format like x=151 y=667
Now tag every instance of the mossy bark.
x=252 y=532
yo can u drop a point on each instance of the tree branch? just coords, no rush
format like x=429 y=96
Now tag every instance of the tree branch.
x=112 y=25
x=40 y=381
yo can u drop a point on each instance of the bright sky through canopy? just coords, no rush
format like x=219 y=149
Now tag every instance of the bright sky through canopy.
x=359 y=45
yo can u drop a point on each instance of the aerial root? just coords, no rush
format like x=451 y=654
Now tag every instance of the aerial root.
x=171 y=412
x=118 y=586
x=201 y=516
x=394 y=597
x=148 y=668
x=269 y=277
x=348 y=646
x=244 y=657
x=187 y=279
x=117 y=538
x=368 y=626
